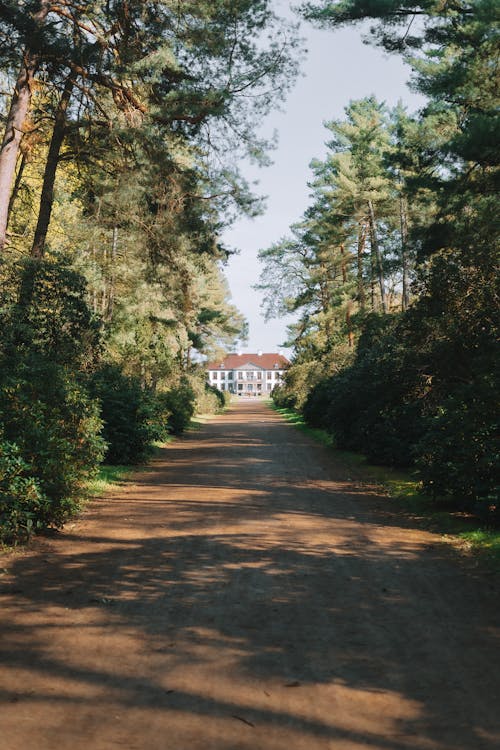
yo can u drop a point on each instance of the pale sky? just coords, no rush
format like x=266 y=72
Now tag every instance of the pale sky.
x=338 y=68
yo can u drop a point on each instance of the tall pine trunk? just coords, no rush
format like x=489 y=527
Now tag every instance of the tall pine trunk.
x=49 y=177
x=348 y=313
x=19 y=108
x=359 y=259
x=403 y=215
x=378 y=256
x=17 y=183
x=112 y=279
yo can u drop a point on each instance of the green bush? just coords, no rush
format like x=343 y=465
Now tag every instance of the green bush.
x=56 y=426
x=282 y=398
x=372 y=406
x=300 y=377
x=22 y=502
x=51 y=316
x=49 y=336
x=458 y=454
x=420 y=393
x=317 y=404
x=180 y=402
x=159 y=415
x=209 y=400
x=128 y=413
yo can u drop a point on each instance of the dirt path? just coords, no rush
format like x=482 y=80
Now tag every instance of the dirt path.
x=244 y=594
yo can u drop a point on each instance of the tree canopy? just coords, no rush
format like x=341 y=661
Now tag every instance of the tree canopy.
x=423 y=304
x=125 y=125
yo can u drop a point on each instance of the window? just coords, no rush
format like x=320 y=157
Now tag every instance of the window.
x=223 y=376
x=259 y=375
x=214 y=376
x=240 y=376
x=230 y=375
x=269 y=375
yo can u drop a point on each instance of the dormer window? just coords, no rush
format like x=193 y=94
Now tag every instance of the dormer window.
x=276 y=365
x=221 y=365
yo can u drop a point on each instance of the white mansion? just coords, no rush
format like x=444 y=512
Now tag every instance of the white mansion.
x=250 y=374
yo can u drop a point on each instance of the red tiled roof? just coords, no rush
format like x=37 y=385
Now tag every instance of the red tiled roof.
x=233 y=361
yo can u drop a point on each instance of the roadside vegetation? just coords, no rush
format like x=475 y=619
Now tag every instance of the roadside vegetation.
x=393 y=269
x=459 y=527
x=123 y=124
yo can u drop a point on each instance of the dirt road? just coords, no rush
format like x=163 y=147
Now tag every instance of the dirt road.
x=245 y=594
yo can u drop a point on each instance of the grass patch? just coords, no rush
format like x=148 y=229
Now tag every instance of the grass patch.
x=108 y=478
x=199 y=420
x=321 y=436
x=487 y=540
x=460 y=527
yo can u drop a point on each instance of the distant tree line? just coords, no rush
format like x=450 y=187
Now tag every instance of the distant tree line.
x=393 y=270
x=124 y=122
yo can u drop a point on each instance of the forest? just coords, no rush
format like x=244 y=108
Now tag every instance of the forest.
x=393 y=268
x=124 y=125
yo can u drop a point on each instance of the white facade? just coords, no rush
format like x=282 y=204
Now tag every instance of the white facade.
x=255 y=377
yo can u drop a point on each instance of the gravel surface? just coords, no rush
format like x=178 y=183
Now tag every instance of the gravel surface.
x=245 y=593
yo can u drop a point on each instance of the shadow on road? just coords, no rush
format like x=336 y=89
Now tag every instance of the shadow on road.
x=240 y=582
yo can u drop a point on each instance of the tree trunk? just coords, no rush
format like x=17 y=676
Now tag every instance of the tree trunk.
x=403 y=214
x=94 y=291
x=348 y=321
x=373 y=273
x=49 y=177
x=19 y=108
x=17 y=184
x=360 y=282
x=104 y=282
x=324 y=299
x=111 y=290
x=378 y=257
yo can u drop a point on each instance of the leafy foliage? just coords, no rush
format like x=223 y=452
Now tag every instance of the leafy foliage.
x=45 y=409
x=420 y=388
x=209 y=400
x=180 y=401
x=127 y=415
x=118 y=171
x=22 y=503
x=458 y=453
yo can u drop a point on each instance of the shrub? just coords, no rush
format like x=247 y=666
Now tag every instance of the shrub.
x=209 y=400
x=458 y=454
x=373 y=405
x=300 y=377
x=317 y=404
x=419 y=393
x=282 y=398
x=51 y=316
x=49 y=336
x=56 y=426
x=180 y=402
x=128 y=415
x=159 y=415
x=22 y=502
